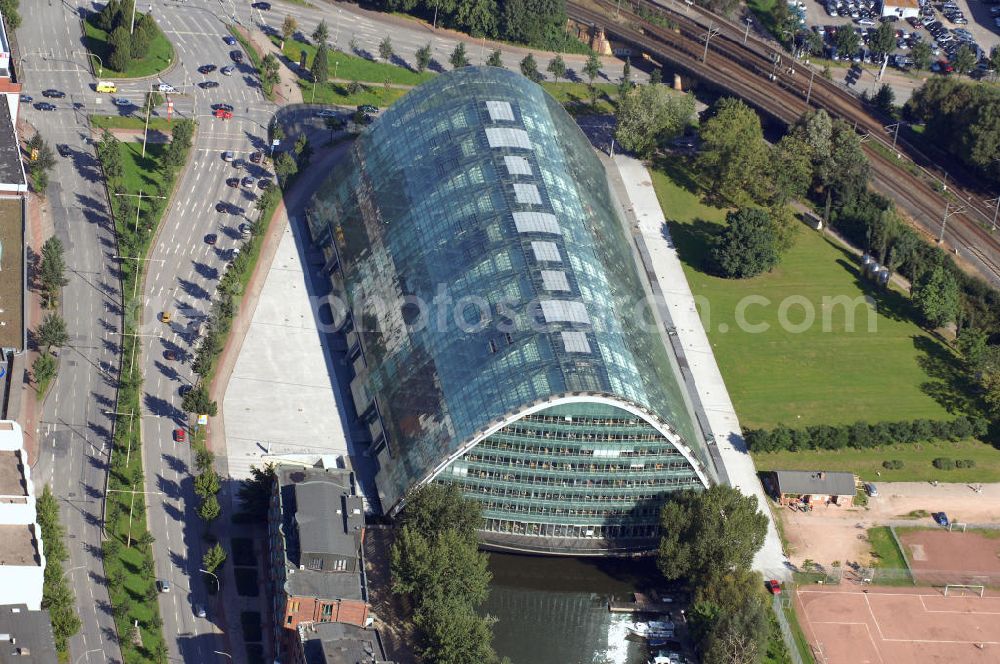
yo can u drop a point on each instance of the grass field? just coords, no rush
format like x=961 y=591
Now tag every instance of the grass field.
x=337 y=94
x=884 y=549
x=576 y=97
x=128 y=122
x=160 y=55
x=141 y=173
x=824 y=373
x=348 y=67
x=916 y=459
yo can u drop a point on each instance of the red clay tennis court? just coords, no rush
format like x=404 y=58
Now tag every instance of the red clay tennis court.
x=845 y=625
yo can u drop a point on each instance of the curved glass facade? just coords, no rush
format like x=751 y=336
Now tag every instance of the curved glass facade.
x=489 y=277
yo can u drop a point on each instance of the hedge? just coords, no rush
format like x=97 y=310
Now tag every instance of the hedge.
x=861 y=435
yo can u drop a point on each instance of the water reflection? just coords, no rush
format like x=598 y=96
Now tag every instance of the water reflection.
x=554 y=610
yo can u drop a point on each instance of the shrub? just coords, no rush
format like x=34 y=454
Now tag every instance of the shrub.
x=892 y=464
x=943 y=463
x=965 y=463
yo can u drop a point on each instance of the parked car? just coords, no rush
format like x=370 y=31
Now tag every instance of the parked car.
x=227 y=70
x=236 y=56
x=941 y=519
x=871 y=490
x=244 y=230
x=27 y=99
x=211 y=239
x=368 y=108
x=256 y=157
x=63 y=150
x=227 y=156
x=773 y=586
x=264 y=184
x=249 y=181
x=233 y=182
x=199 y=611
x=229 y=40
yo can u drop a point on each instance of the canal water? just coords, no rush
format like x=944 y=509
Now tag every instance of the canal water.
x=555 y=610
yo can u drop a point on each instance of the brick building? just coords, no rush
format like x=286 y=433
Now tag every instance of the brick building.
x=812 y=487
x=316 y=529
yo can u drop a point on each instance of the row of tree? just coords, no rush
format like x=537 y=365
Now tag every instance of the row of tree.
x=436 y=564
x=862 y=435
x=126 y=43
x=41 y=162
x=57 y=597
x=710 y=538
x=538 y=23
x=963 y=119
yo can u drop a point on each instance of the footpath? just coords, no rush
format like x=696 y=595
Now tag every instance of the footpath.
x=634 y=187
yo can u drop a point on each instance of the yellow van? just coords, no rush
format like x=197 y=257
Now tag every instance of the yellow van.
x=107 y=86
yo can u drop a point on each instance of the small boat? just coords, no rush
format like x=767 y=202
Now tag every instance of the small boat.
x=654 y=628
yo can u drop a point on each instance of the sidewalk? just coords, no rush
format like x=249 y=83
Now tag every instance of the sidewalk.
x=287 y=90
x=719 y=412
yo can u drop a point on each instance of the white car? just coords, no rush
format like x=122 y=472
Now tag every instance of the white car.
x=165 y=87
x=866 y=22
x=227 y=71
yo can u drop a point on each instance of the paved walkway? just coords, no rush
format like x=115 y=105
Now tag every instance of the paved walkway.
x=711 y=389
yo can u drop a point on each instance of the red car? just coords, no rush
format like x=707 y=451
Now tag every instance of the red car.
x=180 y=435
x=223 y=114
x=774 y=586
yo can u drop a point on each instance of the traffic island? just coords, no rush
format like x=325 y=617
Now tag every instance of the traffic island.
x=149 y=51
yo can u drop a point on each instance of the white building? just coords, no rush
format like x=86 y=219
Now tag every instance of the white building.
x=901 y=8
x=22 y=559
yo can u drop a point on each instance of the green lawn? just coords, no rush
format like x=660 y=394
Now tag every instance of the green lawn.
x=916 y=462
x=576 y=96
x=128 y=122
x=884 y=549
x=825 y=374
x=336 y=94
x=141 y=173
x=160 y=55
x=349 y=67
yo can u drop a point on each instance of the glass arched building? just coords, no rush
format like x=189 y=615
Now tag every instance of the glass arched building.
x=497 y=323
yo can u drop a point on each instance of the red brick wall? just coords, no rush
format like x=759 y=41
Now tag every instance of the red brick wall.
x=310 y=609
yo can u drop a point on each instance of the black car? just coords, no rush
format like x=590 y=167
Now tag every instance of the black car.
x=256 y=157
x=368 y=108
x=45 y=106
x=27 y=99
x=54 y=94
x=221 y=207
x=206 y=69
x=63 y=150
x=233 y=182
x=261 y=5
x=236 y=56
x=224 y=107
x=211 y=238
x=207 y=85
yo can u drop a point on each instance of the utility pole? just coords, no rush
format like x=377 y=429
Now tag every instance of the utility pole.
x=996 y=211
x=895 y=133
x=712 y=31
x=944 y=219
x=810 y=91
x=145 y=131
x=131 y=29
x=747 y=33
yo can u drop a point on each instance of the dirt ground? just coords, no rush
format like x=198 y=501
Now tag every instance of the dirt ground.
x=938 y=550
x=835 y=533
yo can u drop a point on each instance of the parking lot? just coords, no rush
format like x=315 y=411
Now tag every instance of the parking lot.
x=944 y=27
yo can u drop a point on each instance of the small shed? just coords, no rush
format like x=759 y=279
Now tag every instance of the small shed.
x=901 y=8
x=811 y=487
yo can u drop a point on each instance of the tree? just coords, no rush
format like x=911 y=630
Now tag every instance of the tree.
x=11 y=16
x=626 y=83
x=434 y=507
x=146 y=540
x=120 y=44
x=285 y=166
x=529 y=68
x=206 y=483
x=214 y=558
x=791 y=170
x=972 y=343
x=936 y=296
x=651 y=114
x=884 y=99
x=52 y=270
x=385 y=48
x=734 y=153
x=52 y=332
x=749 y=245
x=964 y=60
x=532 y=22
x=458 y=58
x=557 y=67
x=729 y=617
x=288 y=29
x=495 y=59
x=592 y=67
x=43 y=369
x=477 y=17
x=711 y=531
x=922 y=54
x=269 y=76
x=255 y=491
x=848 y=41
x=196 y=400
x=423 y=57
x=454 y=633
x=209 y=509
x=321 y=65
x=884 y=41
x=321 y=34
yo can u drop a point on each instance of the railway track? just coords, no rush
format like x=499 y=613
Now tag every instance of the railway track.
x=761 y=74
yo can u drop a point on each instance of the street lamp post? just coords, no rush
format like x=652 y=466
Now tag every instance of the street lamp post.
x=87 y=654
x=218 y=584
x=219 y=652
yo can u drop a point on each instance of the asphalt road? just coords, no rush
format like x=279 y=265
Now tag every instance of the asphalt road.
x=75 y=427
x=183 y=272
